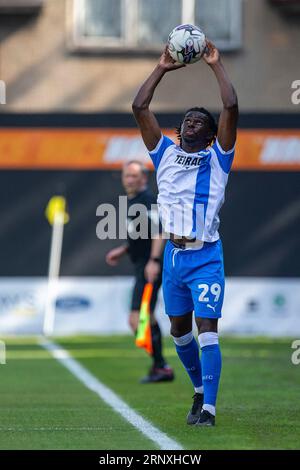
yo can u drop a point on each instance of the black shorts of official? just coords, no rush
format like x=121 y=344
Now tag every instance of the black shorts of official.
x=139 y=285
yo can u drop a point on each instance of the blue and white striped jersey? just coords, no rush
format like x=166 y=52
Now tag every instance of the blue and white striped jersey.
x=191 y=188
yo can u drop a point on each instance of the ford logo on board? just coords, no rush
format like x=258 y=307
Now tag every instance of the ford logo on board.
x=72 y=303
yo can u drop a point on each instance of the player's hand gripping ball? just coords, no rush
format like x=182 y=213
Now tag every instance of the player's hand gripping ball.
x=186 y=44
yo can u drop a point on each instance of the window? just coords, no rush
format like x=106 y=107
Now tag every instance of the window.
x=20 y=6
x=144 y=25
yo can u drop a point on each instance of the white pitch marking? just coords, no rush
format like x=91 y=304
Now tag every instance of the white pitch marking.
x=161 y=439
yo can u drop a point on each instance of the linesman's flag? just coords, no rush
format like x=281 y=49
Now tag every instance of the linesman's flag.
x=143 y=337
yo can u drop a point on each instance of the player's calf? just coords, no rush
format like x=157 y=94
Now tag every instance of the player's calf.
x=211 y=362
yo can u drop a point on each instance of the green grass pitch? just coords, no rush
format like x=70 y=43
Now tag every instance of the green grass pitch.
x=43 y=406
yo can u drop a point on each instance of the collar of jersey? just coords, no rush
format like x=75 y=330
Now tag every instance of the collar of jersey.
x=203 y=152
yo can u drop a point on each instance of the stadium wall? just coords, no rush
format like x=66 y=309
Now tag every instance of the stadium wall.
x=43 y=74
x=260 y=232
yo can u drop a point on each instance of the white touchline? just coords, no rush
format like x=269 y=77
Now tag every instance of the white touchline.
x=110 y=397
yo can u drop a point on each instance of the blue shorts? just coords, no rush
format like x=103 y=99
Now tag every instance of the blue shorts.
x=194 y=280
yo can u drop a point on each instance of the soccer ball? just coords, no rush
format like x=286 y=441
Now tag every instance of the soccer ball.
x=186 y=44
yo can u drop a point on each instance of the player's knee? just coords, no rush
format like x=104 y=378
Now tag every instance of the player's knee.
x=207 y=325
x=180 y=326
x=175 y=332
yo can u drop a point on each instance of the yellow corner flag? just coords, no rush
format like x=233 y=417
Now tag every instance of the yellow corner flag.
x=56 y=205
x=143 y=337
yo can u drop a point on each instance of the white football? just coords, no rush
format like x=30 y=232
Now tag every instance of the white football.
x=186 y=44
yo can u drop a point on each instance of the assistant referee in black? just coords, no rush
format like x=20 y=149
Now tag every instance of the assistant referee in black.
x=146 y=256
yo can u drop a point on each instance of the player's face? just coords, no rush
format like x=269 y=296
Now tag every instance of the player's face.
x=133 y=179
x=195 y=127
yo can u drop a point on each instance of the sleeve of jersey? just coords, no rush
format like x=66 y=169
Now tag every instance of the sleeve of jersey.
x=157 y=153
x=225 y=159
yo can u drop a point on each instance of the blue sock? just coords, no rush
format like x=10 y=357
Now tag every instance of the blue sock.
x=211 y=370
x=188 y=351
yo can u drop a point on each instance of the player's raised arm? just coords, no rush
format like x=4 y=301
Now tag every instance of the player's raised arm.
x=146 y=120
x=229 y=115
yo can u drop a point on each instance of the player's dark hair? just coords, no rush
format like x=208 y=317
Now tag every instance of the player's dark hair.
x=211 y=120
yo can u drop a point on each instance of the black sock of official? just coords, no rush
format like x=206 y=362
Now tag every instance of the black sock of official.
x=158 y=358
